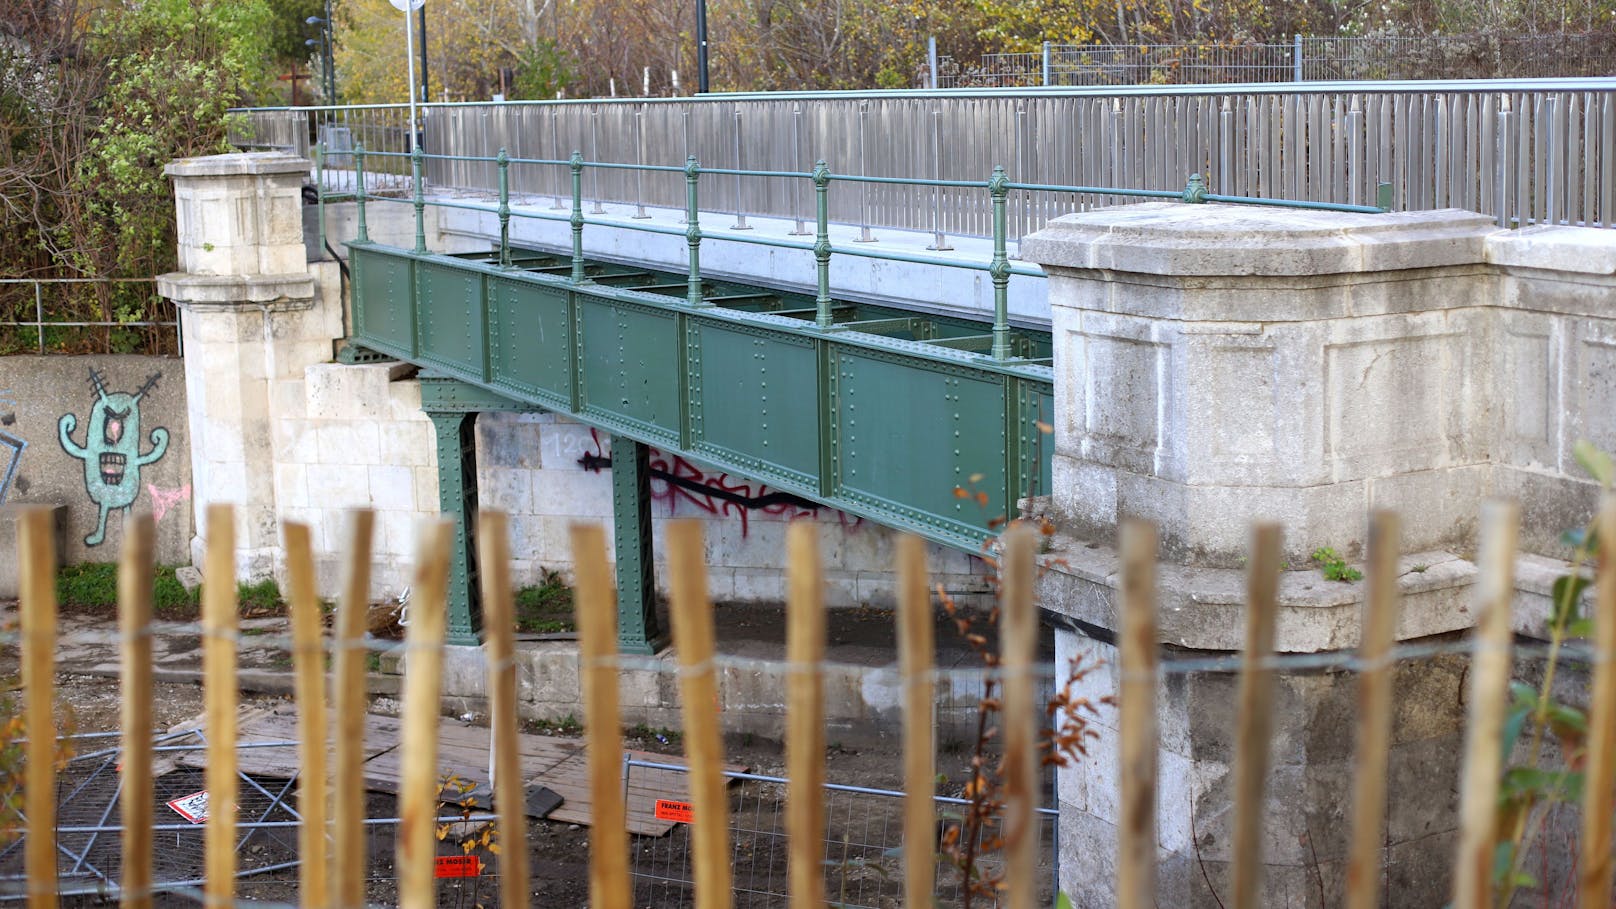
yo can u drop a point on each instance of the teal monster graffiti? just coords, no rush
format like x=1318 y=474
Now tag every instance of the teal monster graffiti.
x=111 y=449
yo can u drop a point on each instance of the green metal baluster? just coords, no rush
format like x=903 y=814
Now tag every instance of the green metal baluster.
x=999 y=188
x=504 y=162
x=359 y=191
x=822 y=317
x=576 y=165
x=693 y=231
x=420 y=200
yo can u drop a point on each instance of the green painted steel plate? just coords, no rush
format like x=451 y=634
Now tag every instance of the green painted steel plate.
x=530 y=340
x=629 y=366
x=449 y=317
x=384 y=304
x=754 y=400
x=907 y=433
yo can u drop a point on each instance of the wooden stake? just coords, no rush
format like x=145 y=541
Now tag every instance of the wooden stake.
x=1018 y=646
x=349 y=784
x=698 y=694
x=595 y=608
x=423 y=679
x=1136 y=861
x=37 y=564
x=134 y=621
x=1489 y=701
x=1600 y=787
x=1256 y=720
x=499 y=629
x=219 y=693
x=916 y=658
x=805 y=716
x=308 y=667
x=1374 y=713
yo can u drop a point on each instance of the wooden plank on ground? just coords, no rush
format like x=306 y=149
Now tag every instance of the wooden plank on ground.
x=557 y=763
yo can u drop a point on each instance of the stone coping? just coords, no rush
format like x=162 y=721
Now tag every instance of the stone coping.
x=238 y=164
x=1204 y=608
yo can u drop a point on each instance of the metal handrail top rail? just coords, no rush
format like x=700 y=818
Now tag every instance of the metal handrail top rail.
x=1582 y=83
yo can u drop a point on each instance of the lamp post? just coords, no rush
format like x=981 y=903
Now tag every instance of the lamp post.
x=327 y=55
x=406 y=7
x=701 y=46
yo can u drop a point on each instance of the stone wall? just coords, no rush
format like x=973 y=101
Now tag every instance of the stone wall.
x=103 y=436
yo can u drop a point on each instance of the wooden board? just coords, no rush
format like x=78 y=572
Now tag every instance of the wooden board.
x=556 y=763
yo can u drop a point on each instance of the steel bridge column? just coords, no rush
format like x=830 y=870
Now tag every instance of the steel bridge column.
x=457 y=499
x=637 y=628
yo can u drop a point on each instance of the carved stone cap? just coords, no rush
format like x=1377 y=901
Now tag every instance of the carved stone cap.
x=1175 y=239
x=238 y=164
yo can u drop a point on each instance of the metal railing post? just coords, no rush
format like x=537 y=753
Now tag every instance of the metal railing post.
x=938 y=241
x=420 y=199
x=639 y=159
x=1021 y=168
x=504 y=163
x=864 y=188
x=931 y=62
x=594 y=155
x=39 y=315
x=319 y=189
x=689 y=153
x=822 y=307
x=999 y=188
x=1505 y=147
x=740 y=164
x=555 y=152
x=576 y=165
x=1296 y=58
x=1046 y=63
x=363 y=234
x=693 y=294
x=799 y=229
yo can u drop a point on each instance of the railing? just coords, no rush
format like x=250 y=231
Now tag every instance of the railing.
x=53 y=328
x=1307 y=58
x=1523 y=152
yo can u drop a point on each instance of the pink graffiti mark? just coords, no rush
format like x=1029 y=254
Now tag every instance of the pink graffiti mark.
x=675 y=480
x=165 y=499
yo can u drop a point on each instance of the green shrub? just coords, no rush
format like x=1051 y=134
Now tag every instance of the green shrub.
x=545 y=608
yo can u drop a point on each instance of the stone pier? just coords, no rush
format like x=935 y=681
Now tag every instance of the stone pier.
x=1216 y=365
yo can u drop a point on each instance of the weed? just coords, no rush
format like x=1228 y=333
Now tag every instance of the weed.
x=1334 y=567
x=94 y=586
x=260 y=597
x=567 y=725
x=545 y=608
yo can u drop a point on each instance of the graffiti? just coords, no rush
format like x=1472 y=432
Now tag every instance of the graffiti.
x=165 y=499
x=111 y=449
x=676 y=481
x=11 y=447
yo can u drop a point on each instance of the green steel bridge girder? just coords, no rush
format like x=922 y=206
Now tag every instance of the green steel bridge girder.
x=911 y=428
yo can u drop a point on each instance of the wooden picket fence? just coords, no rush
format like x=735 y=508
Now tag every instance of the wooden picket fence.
x=333 y=868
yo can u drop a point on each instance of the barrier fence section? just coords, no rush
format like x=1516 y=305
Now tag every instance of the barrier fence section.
x=1523 y=151
x=1003 y=793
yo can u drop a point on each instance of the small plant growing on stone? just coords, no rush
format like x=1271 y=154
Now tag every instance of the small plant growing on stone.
x=1334 y=567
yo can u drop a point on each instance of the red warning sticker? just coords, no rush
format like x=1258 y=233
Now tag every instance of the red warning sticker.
x=457 y=866
x=670 y=810
x=193 y=807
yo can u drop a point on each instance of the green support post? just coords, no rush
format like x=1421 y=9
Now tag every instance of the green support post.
x=637 y=628
x=822 y=305
x=420 y=199
x=363 y=234
x=999 y=189
x=576 y=165
x=693 y=294
x=504 y=162
x=457 y=498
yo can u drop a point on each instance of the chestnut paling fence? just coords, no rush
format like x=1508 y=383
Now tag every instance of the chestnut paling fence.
x=333 y=861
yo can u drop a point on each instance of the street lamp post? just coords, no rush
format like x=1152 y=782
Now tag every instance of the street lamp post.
x=327 y=55
x=406 y=7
